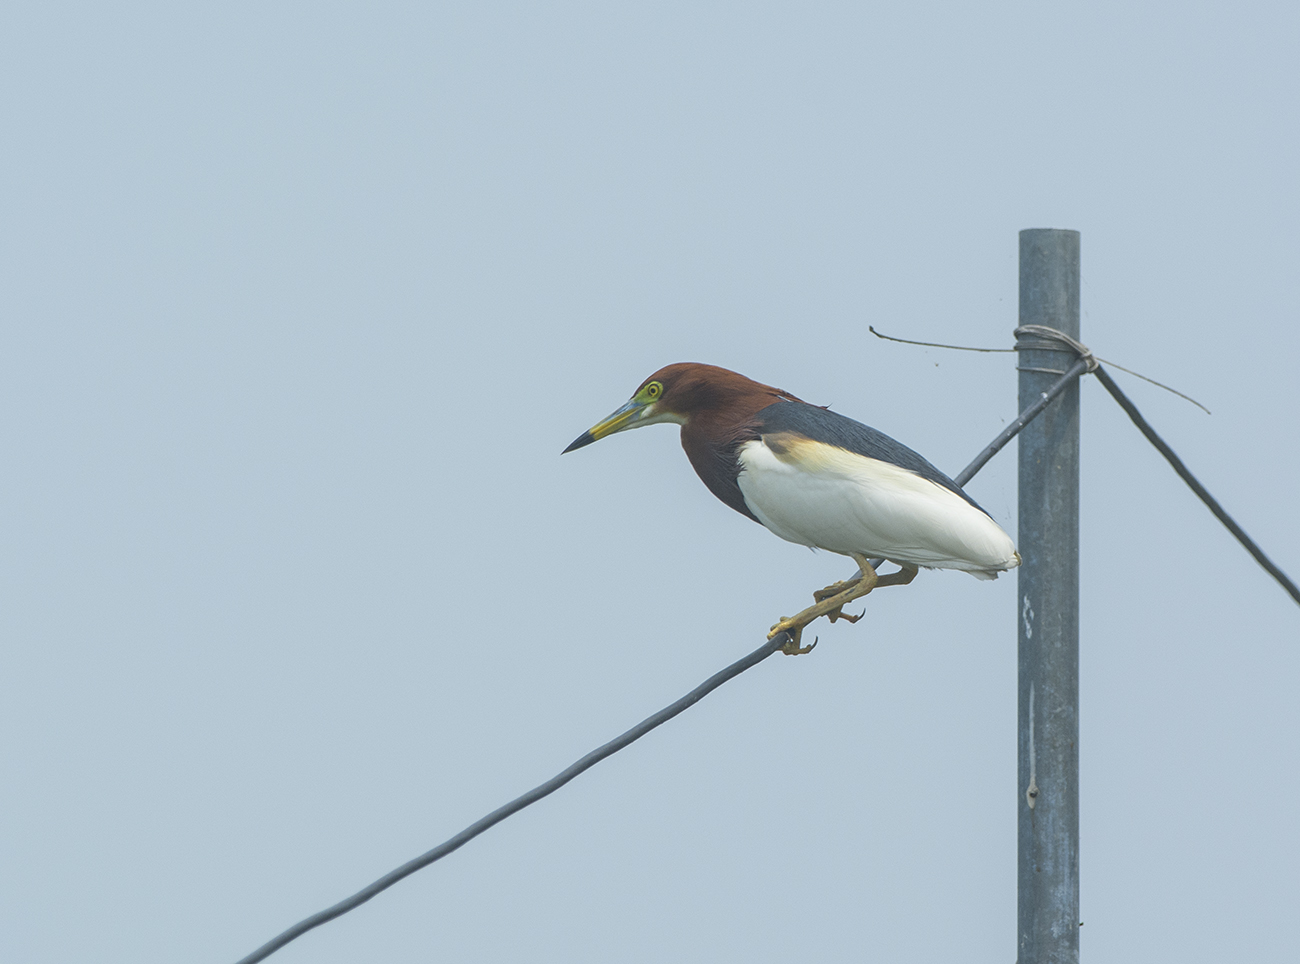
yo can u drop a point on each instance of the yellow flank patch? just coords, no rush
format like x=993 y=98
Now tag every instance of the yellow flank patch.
x=799 y=450
x=819 y=458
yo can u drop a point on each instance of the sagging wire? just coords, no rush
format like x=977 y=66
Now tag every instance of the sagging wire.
x=1084 y=363
x=632 y=735
x=514 y=806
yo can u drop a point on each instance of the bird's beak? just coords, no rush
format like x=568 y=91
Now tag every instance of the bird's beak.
x=626 y=417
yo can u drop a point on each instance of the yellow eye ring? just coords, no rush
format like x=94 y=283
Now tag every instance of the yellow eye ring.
x=653 y=390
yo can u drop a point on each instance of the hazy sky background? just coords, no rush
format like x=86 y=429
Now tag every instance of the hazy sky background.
x=301 y=303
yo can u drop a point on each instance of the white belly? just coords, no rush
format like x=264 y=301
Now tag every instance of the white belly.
x=819 y=495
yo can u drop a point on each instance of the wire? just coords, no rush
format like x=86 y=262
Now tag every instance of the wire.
x=1012 y=430
x=932 y=344
x=1088 y=362
x=631 y=736
x=1044 y=329
x=1084 y=363
x=1025 y=417
x=1157 y=384
x=1211 y=502
x=1086 y=358
x=514 y=806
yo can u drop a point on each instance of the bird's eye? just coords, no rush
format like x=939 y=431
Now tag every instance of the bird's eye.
x=653 y=390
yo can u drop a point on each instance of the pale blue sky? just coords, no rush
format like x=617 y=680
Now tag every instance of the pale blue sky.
x=302 y=302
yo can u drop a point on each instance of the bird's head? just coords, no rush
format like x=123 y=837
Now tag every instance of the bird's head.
x=682 y=392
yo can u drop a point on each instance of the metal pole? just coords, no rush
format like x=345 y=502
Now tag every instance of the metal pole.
x=1047 y=613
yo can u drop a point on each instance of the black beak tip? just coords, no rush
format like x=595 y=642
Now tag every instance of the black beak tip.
x=586 y=438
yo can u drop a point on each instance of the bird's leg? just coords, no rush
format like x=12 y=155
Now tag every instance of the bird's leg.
x=834 y=589
x=901 y=578
x=826 y=605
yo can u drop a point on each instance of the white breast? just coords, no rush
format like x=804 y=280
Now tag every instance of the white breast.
x=820 y=495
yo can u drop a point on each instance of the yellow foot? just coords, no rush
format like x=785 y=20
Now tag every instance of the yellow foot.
x=834 y=589
x=901 y=578
x=792 y=647
x=830 y=602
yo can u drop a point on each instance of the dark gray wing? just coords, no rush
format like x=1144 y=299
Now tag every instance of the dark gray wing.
x=831 y=428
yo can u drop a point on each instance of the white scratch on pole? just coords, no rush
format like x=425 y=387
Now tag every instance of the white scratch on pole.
x=1032 y=793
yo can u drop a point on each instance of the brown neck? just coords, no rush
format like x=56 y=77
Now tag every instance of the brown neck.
x=719 y=407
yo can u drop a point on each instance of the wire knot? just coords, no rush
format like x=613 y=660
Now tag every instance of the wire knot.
x=1060 y=338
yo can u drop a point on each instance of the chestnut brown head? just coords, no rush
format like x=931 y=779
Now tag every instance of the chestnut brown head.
x=683 y=393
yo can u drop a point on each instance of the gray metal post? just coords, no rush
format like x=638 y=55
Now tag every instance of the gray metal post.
x=1047 y=610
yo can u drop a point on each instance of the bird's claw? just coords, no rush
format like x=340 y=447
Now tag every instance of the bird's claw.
x=794 y=630
x=835 y=614
x=794 y=649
